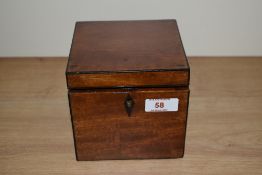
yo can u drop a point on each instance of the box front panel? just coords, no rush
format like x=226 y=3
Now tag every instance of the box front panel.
x=129 y=123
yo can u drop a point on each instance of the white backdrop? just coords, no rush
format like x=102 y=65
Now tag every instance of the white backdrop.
x=208 y=27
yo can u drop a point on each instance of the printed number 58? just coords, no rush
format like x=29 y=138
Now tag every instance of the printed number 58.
x=159 y=105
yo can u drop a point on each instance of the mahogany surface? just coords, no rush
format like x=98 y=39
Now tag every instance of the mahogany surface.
x=127 y=53
x=103 y=129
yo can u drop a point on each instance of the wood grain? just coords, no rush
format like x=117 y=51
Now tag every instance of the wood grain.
x=103 y=129
x=224 y=123
x=127 y=54
x=135 y=79
x=126 y=45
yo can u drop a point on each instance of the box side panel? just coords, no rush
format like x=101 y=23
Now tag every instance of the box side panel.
x=104 y=130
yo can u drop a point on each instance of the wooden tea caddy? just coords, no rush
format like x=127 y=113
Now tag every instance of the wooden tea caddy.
x=128 y=88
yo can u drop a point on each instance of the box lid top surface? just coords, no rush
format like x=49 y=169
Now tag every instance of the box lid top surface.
x=126 y=46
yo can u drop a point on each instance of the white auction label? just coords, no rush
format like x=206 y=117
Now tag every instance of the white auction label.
x=161 y=104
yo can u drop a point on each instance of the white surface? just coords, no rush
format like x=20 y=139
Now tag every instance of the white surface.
x=208 y=27
x=161 y=105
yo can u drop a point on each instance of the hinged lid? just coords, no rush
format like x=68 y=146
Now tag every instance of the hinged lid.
x=127 y=54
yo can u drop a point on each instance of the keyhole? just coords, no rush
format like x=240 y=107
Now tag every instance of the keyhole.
x=129 y=104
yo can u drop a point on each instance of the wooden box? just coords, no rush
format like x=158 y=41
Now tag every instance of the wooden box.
x=128 y=90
